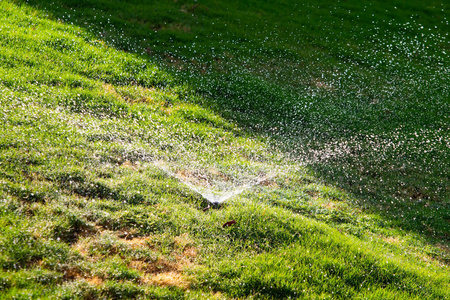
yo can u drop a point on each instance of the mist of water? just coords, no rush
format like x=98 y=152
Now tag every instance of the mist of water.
x=214 y=196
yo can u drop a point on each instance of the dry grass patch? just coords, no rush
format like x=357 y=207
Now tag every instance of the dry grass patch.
x=136 y=242
x=158 y=266
x=73 y=273
x=85 y=238
x=193 y=177
x=97 y=281
x=81 y=247
x=269 y=183
x=171 y=278
x=190 y=252
x=164 y=271
x=204 y=178
x=183 y=241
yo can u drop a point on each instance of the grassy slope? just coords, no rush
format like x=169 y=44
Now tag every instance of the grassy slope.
x=366 y=80
x=85 y=212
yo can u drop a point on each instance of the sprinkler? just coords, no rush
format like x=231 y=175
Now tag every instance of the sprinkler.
x=215 y=199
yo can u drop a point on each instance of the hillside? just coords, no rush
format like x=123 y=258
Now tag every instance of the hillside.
x=324 y=126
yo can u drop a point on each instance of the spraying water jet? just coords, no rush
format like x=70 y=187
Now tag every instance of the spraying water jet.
x=215 y=199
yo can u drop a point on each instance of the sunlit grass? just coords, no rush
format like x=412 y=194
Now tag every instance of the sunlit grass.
x=350 y=135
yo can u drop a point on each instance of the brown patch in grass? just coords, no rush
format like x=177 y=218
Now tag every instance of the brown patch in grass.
x=185 y=243
x=88 y=231
x=269 y=183
x=129 y=234
x=183 y=240
x=161 y=271
x=202 y=178
x=155 y=267
x=190 y=252
x=193 y=177
x=170 y=278
x=73 y=273
x=164 y=272
x=97 y=281
x=81 y=247
x=136 y=242
x=213 y=172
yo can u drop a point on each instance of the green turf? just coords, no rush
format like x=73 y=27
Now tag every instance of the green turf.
x=344 y=107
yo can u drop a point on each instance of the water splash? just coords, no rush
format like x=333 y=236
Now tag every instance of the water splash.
x=213 y=196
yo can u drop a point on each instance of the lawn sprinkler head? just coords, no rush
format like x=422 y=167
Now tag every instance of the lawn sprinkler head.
x=216 y=205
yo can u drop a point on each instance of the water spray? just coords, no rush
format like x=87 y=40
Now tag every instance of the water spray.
x=214 y=198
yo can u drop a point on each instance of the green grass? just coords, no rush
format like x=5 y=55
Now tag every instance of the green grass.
x=344 y=105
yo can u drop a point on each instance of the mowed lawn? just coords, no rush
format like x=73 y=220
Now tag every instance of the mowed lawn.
x=333 y=115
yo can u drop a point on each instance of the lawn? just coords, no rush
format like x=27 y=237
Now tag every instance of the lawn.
x=119 y=120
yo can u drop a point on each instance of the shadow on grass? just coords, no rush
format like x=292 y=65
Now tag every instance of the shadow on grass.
x=348 y=140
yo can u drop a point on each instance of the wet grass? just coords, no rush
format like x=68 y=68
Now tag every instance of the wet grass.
x=359 y=91
x=351 y=117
